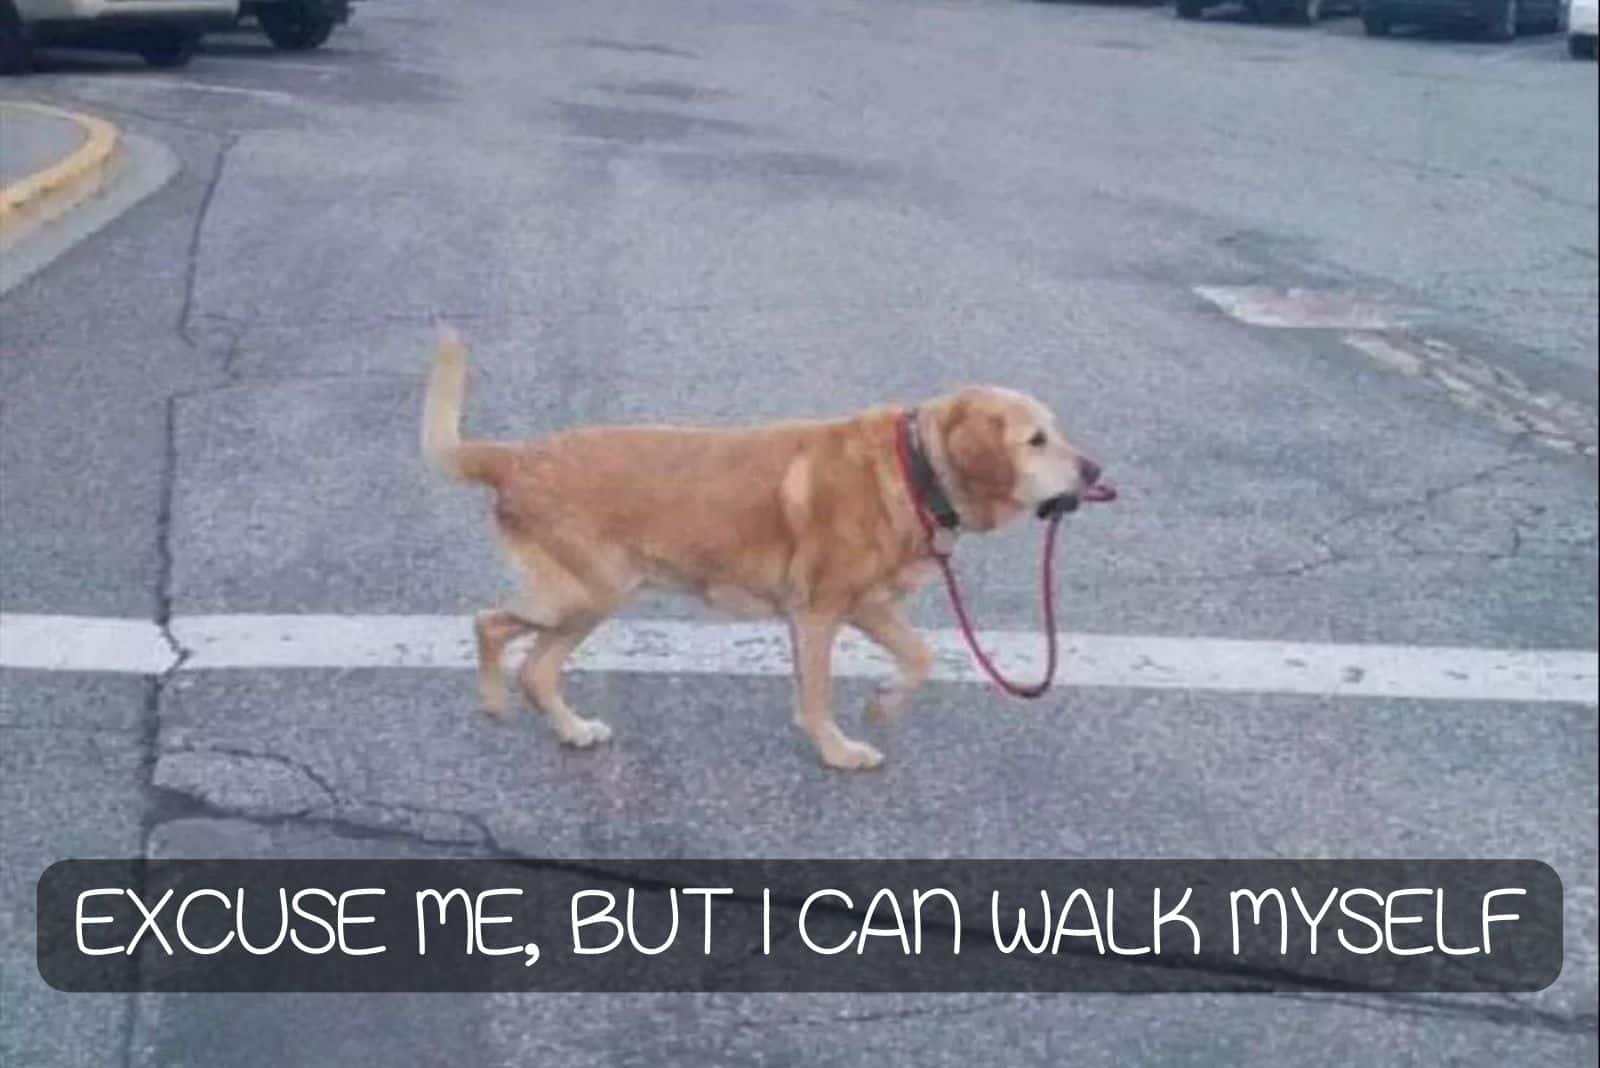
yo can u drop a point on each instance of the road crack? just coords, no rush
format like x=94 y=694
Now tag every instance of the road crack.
x=192 y=265
x=282 y=787
x=1329 y=554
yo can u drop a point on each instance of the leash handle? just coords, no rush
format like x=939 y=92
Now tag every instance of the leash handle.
x=943 y=555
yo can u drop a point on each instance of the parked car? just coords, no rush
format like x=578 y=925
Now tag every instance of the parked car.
x=297 y=25
x=15 y=55
x=1497 y=20
x=1582 y=27
x=1304 y=12
x=163 y=32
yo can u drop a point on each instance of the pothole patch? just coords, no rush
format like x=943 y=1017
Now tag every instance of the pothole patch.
x=1482 y=387
x=1387 y=333
x=1304 y=309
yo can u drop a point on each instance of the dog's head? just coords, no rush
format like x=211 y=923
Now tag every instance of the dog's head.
x=1006 y=455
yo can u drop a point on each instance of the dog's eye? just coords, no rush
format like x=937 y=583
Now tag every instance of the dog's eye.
x=1038 y=440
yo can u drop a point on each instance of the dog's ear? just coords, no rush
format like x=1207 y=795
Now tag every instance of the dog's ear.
x=975 y=445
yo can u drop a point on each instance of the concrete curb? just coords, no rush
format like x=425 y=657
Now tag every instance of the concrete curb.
x=48 y=193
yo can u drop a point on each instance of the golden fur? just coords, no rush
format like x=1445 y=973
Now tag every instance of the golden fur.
x=810 y=521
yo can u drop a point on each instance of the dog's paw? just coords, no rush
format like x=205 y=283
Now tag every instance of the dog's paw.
x=887 y=703
x=849 y=755
x=494 y=705
x=585 y=733
x=493 y=700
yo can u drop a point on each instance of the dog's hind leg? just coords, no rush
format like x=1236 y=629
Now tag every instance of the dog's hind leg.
x=540 y=676
x=569 y=588
x=886 y=625
x=494 y=630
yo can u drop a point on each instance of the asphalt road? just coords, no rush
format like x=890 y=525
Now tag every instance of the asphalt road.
x=715 y=212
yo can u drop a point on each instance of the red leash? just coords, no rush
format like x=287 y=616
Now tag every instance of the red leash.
x=1047 y=582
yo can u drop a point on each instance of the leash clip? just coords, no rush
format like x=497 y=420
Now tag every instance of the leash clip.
x=942 y=541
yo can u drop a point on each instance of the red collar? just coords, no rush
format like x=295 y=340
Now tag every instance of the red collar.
x=938 y=516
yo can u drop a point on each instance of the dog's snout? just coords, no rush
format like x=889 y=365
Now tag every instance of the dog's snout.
x=1089 y=469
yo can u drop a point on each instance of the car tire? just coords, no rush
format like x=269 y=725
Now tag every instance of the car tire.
x=1375 y=23
x=295 y=26
x=1305 y=12
x=16 y=51
x=1190 y=9
x=1502 y=25
x=167 y=49
x=1581 y=47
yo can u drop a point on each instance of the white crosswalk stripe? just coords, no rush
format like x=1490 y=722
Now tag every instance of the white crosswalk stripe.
x=635 y=646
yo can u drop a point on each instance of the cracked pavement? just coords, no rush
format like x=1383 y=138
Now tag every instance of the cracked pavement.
x=745 y=213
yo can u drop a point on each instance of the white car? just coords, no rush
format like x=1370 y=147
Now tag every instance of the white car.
x=1581 y=27
x=163 y=32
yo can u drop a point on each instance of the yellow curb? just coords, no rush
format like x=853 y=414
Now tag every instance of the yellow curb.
x=47 y=193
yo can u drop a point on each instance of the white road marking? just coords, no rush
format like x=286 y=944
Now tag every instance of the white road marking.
x=147 y=82
x=635 y=646
x=83 y=643
x=273 y=63
x=1514 y=50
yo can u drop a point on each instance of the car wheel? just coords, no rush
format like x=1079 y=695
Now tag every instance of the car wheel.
x=1190 y=9
x=1502 y=25
x=1581 y=47
x=295 y=26
x=1374 y=22
x=16 y=52
x=1305 y=12
x=168 y=48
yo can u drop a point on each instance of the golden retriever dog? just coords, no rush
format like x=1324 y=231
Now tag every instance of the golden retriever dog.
x=815 y=522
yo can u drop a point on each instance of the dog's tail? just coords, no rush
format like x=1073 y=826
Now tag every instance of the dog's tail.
x=470 y=461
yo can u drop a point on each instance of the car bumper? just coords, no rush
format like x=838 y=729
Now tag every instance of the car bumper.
x=95 y=10
x=70 y=21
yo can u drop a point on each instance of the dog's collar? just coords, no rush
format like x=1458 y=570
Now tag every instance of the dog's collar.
x=924 y=481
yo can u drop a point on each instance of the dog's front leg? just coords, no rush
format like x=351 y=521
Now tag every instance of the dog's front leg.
x=885 y=623
x=813 y=635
